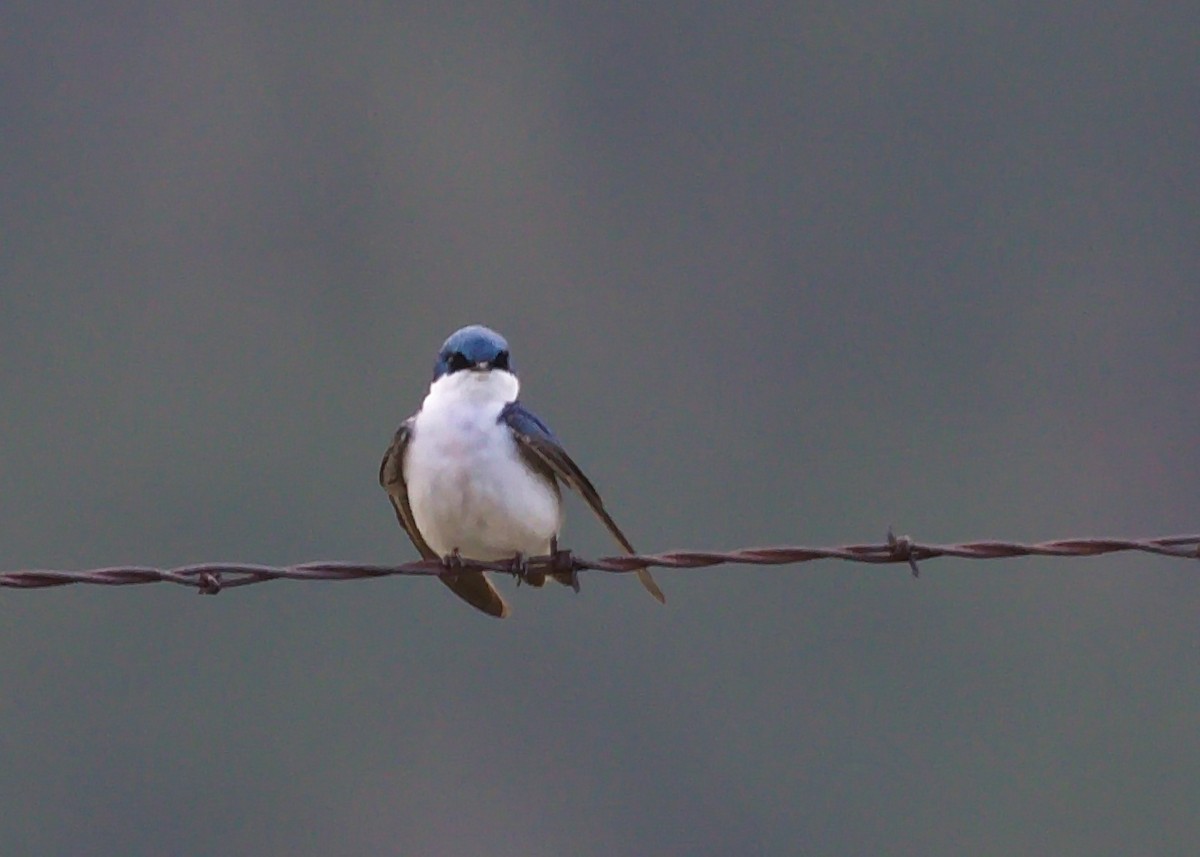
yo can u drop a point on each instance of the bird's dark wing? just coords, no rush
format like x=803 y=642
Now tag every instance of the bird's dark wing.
x=542 y=451
x=470 y=586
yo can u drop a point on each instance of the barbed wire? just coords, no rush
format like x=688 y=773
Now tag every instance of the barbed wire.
x=211 y=578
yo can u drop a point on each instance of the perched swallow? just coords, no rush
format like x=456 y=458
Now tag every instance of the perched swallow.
x=475 y=474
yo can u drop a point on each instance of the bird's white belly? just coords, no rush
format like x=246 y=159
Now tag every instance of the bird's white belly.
x=470 y=491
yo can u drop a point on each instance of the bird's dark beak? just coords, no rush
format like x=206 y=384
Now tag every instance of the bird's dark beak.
x=481 y=366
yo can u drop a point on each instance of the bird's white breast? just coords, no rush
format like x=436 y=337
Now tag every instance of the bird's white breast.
x=467 y=484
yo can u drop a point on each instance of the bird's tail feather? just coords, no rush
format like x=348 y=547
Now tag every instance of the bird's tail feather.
x=475 y=589
x=650 y=586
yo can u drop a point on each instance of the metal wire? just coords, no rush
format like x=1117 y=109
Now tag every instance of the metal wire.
x=211 y=578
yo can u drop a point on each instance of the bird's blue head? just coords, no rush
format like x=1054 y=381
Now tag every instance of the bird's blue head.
x=476 y=348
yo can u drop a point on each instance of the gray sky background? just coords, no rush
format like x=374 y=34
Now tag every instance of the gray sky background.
x=776 y=273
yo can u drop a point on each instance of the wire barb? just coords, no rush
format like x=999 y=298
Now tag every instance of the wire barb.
x=209 y=583
x=902 y=547
x=213 y=578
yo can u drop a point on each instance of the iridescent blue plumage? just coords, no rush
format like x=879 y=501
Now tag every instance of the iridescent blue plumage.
x=472 y=347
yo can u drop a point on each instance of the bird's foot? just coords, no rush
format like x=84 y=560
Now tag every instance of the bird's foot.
x=518 y=567
x=453 y=561
x=562 y=565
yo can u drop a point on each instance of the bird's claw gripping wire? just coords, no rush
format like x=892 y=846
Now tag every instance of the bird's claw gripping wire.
x=518 y=567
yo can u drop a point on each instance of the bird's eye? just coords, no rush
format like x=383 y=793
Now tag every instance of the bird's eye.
x=458 y=361
x=501 y=360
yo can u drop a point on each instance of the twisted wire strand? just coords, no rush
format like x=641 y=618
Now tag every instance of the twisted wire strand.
x=210 y=578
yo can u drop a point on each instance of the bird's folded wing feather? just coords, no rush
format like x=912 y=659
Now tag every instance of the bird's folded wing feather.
x=543 y=452
x=471 y=586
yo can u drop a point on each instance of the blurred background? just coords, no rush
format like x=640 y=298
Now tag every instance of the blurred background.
x=776 y=273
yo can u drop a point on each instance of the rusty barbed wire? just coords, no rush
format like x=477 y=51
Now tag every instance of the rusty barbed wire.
x=211 y=578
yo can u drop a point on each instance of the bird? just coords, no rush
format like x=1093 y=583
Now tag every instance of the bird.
x=474 y=474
